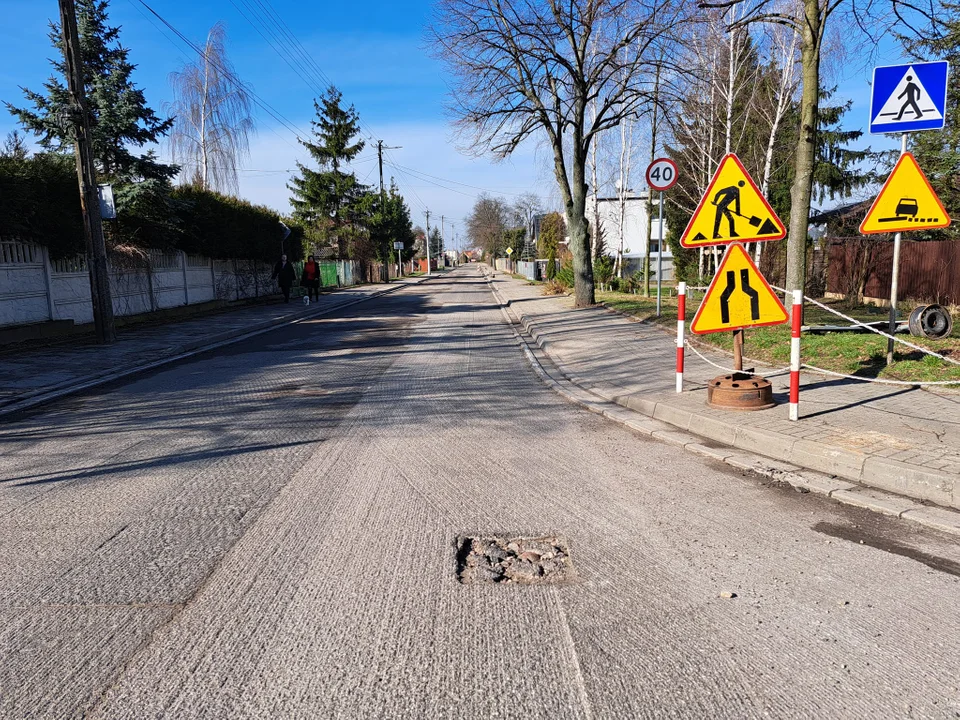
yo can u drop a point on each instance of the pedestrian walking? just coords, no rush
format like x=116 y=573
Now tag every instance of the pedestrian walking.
x=310 y=278
x=284 y=274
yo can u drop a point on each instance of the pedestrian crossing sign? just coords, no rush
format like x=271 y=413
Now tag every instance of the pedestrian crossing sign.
x=906 y=202
x=906 y=98
x=739 y=297
x=732 y=210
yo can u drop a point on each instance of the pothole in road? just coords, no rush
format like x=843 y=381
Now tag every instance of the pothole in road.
x=542 y=560
x=295 y=391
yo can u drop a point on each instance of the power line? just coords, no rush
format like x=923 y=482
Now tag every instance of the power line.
x=263 y=104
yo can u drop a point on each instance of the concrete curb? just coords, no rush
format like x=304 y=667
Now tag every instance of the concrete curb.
x=702 y=435
x=186 y=350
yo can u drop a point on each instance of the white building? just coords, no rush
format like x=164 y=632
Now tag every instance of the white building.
x=634 y=228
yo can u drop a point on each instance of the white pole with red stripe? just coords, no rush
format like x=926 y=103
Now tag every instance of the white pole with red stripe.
x=681 y=318
x=796 y=319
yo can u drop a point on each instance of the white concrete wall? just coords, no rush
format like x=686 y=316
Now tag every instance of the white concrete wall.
x=34 y=289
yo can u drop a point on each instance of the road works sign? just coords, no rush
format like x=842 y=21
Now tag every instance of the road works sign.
x=732 y=210
x=909 y=97
x=739 y=297
x=906 y=202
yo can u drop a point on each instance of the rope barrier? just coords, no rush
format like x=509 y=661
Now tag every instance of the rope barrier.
x=729 y=370
x=880 y=380
x=873 y=329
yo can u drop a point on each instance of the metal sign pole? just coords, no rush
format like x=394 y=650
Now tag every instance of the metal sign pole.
x=660 y=255
x=894 y=276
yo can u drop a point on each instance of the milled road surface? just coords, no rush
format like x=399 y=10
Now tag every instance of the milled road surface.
x=267 y=531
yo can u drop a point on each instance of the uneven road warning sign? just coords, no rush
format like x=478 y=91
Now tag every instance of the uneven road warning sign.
x=906 y=202
x=739 y=297
x=907 y=98
x=732 y=210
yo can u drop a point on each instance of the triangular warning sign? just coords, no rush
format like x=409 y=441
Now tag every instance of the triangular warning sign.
x=732 y=210
x=739 y=297
x=906 y=202
x=908 y=101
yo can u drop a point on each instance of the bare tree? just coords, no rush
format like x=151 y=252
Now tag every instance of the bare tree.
x=213 y=120
x=525 y=208
x=487 y=223
x=809 y=20
x=783 y=46
x=526 y=68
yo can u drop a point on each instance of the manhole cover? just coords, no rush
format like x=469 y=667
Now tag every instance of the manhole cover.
x=523 y=560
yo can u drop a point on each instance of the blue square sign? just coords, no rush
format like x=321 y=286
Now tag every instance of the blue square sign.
x=910 y=97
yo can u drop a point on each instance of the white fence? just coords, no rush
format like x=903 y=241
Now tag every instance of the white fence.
x=34 y=289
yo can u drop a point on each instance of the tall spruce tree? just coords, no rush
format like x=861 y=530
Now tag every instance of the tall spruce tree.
x=324 y=199
x=938 y=152
x=391 y=223
x=119 y=116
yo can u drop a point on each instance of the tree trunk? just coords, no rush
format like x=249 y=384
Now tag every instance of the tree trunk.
x=806 y=149
x=579 y=233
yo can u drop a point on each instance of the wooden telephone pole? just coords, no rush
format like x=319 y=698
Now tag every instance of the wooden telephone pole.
x=86 y=174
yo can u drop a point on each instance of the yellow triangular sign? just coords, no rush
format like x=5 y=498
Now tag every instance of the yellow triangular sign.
x=732 y=210
x=739 y=297
x=906 y=202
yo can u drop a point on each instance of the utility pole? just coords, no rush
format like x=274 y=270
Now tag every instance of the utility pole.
x=87 y=176
x=383 y=199
x=442 y=244
x=427 y=240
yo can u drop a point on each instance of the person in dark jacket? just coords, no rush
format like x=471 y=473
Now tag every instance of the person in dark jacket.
x=285 y=276
x=311 y=278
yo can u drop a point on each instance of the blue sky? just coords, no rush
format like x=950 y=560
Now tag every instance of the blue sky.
x=375 y=56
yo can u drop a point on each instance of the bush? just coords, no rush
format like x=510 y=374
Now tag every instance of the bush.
x=221 y=226
x=603 y=269
x=40 y=202
x=635 y=282
x=552 y=263
x=552 y=287
x=615 y=284
x=564 y=275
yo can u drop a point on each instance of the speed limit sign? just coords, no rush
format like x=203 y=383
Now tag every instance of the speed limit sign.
x=662 y=174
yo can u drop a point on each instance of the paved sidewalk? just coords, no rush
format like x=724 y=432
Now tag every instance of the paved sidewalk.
x=31 y=376
x=900 y=439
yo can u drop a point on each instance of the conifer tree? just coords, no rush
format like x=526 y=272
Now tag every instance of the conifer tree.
x=119 y=115
x=938 y=151
x=323 y=199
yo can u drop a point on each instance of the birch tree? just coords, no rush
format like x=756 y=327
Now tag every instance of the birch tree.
x=809 y=20
x=213 y=118
x=531 y=69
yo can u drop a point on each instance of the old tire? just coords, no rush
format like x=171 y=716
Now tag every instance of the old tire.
x=930 y=321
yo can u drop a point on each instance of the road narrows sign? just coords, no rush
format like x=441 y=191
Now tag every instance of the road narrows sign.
x=739 y=297
x=906 y=98
x=732 y=210
x=906 y=202
x=662 y=174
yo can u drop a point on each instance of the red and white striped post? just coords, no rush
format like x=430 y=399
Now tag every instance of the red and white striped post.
x=796 y=319
x=681 y=318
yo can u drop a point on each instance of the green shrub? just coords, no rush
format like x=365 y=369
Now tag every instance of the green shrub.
x=615 y=284
x=603 y=269
x=565 y=275
x=552 y=263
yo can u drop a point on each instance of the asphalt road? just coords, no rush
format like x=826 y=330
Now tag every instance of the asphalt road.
x=268 y=531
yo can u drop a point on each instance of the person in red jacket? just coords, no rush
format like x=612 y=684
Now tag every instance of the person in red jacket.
x=311 y=278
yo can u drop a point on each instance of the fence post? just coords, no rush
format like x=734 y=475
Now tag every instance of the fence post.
x=796 y=319
x=48 y=279
x=681 y=318
x=186 y=291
